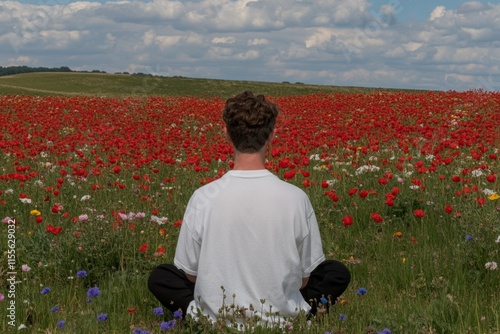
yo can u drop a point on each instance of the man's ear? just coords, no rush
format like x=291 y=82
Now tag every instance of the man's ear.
x=271 y=136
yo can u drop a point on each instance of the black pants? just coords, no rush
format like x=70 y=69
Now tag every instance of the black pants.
x=174 y=291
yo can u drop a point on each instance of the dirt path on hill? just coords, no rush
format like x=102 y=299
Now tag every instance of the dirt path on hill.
x=39 y=90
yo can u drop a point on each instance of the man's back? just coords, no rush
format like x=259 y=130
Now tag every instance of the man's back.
x=254 y=235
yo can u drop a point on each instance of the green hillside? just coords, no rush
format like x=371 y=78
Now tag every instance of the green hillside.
x=100 y=84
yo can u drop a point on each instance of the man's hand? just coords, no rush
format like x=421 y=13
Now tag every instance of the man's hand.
x=191 y=278
x=304 y=282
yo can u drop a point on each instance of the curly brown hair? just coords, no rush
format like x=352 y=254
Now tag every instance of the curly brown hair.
x=249 y=119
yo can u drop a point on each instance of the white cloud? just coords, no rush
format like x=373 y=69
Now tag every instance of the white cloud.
x=437 y=13
x=325 y=41
x=258 y=41
x=224 y=40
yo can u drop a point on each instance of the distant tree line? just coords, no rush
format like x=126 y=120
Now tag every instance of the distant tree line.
x=25 y=69
x=11 y=70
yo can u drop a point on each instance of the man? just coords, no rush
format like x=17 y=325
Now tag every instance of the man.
x=249 y=246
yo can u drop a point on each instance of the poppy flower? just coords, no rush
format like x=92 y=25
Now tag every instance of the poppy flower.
x=347 y=221
x=491 y=178
x=352 y=191
x=143 y=248
x=377 y=217
x=363 y=193
x=419 y=213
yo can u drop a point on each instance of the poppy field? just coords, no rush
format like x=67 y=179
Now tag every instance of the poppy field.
x=405 y=187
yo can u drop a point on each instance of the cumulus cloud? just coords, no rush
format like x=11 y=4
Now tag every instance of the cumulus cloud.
x=324 y=42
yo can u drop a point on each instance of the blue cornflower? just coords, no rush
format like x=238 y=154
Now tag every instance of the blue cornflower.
x=158 y=311
x=361 y=291
x=61 y=324
x=102 y=317
x=81 y=274
x=342 y=317
x=468 y=237
x=384 y=331
x=323 y=300
x=178 y=314
x=93 y=292
x=140 y=331
x=54 y=309
x=45 y=291
x=167 y=325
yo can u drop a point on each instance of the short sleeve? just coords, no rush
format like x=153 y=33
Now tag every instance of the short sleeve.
x=311 y=249
x=187 y=252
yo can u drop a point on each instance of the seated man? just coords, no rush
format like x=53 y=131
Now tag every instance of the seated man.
x=249 y=239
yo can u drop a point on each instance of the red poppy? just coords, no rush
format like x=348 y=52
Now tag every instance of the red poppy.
x=448 y=209
x=288 y=175
x=491 y=178
x=382 y=181
x=347 y=221
x=352 y=191
x=38 y=219
x=160 y=250
x=143 y=248
x=363 y=193
x=53 y=230
x=419 y=213
x=377 y=217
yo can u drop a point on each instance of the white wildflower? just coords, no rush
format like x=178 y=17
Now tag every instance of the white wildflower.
x=85 y=198
x=331 y=182
x=429 y=157
x=9 y=191
x=158 y=220
x=488 y=192
x=491 y=265
x=477 y=173
x=498 y=240
x=414 y=187
x=367 y=168
x=25 y=200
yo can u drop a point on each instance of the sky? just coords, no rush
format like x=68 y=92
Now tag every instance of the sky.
x=416 y=44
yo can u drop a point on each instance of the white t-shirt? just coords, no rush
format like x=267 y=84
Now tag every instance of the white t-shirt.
x=251 y=237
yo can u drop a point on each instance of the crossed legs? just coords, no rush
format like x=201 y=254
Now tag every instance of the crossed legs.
x=174 y=291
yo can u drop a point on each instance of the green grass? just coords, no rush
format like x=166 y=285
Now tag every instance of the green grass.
x=121 y=85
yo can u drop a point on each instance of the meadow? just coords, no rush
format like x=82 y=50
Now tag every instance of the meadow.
x=405 y=186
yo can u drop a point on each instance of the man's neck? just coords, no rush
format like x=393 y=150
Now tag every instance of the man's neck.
x=249 y=161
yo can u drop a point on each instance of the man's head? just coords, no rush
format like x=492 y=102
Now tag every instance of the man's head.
x=249 y=121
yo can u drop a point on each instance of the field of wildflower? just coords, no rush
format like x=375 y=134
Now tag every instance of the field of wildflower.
x=405 y=188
